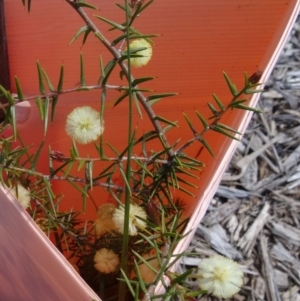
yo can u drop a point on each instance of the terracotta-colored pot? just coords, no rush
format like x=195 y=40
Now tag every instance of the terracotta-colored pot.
x=200 y=39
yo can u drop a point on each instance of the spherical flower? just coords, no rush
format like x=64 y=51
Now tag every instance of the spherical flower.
x=146 y=53
x=21 y=194
x=220 y=276
x=104 y=222
x=135 y=213
x=83 y=125
x=106 y=261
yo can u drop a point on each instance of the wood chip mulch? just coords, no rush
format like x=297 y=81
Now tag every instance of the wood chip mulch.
x=255 y=215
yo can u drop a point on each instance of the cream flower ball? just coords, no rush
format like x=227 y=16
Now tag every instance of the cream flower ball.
x=106 y=261
x=135 y=213
x=21 y=194
x=104 y=222
x=220 y=276
x=83 y=125
x=138 y=62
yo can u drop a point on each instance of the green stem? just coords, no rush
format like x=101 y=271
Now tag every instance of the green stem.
x=124 y=261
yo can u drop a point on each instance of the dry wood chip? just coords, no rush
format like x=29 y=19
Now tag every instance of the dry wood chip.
x=245 y=161
x=239 y=297
x=286 y=232
x=231 y=192
x=190 y=261
x=293 y=185
x=295 y=176
x=248 y=240
x=214 y=236
x=292 y=159
x=282 y=254
x=205 y=252
x=232 y=224
x=281 y=279
x=259 y=288
x=267 y=270
x=251 y=174
x=236 y=236
x=218 y=214
x=278 y=167
x=202 y=248
x=271 y=94
x=294 y=275
x=292 y=100
x=290 y=201
x=291 y=294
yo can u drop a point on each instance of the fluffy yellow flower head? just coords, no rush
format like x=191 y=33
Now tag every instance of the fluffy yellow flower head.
x=135 y=213
x=220 y=276
x=21 y=194
x=106 y=261
x=138 y=62
x=83 y=125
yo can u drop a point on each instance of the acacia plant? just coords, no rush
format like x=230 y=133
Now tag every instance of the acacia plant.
x=127 y=250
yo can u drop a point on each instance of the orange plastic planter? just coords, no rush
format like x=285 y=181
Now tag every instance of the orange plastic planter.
x=200 y=39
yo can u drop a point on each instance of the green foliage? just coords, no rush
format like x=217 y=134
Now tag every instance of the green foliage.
x=149 y=179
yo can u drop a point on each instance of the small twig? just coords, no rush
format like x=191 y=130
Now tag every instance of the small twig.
x=57 y=93
x=60 y=178
x=109 y=159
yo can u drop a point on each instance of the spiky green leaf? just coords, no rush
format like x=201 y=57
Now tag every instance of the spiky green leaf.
x=213 y=110
x=230 y=85
x=219 y=102
x=13 y=120
x=253 y=91
x=120 y=98
x=40 y=75
x=19 y=89
x=190 y=123
x=145 y=6
x=239 y=106
x=206 y=145
x=137 y=104
x=202 y=119
x=39 y=104
x=53 y=107
x=223 y=132
x=164 y=120
x=140 y=80
x=238 y=101
x=51 y=88
x=4 y=91
x=112 y=23
x=37 y=156
x=108 y=70
x=85 y=4
x=227 y=128
x=82 y=30
x=61 y=78
x=46 y=113
x=82 y=77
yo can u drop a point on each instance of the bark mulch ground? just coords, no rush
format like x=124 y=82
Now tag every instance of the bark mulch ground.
x=255 y=215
